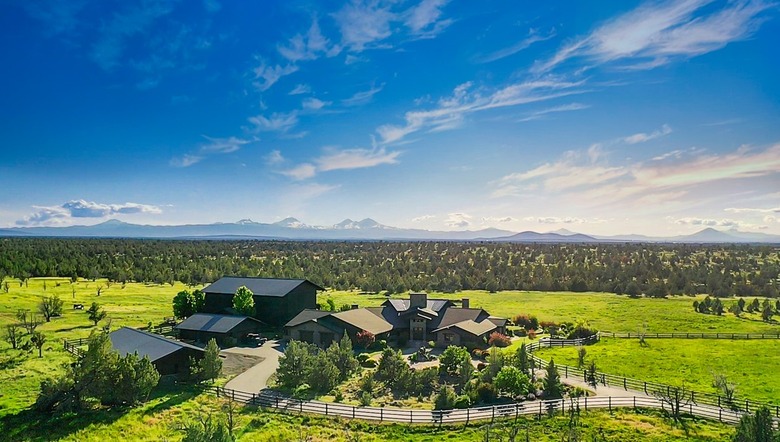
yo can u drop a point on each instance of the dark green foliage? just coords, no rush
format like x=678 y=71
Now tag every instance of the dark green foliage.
x=527 y=322
x=445 y=398
x=38 y=339
x=244 y=302
x=296 y=364
x=210 y=366
x=96 y=313
x=756 y=428
x=320 y=370
x=452 y=358
x=521 y=360
x=50 y=306
x=324 y=375
x=591 y=375
x=343 y=357
x=391 y=367
x=553 y=389
x=186 y=304
x=397 y=266
x=511 y=381
x=486 y=393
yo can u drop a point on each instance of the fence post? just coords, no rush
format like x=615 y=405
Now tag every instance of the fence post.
x=540 y=409
x=493 y=417
x=720 y=414
x=634 y=403
x=645 y=387
x=747 y=406
x=586 y=403
x=353 y=412
x=252 y=401
x=411 y=416
x=468 y=415
x=610 y=404
x=567 y=370
x=277 y=401
x=625 y=387
x=300 y=402
x=381 y=415
x=326 y=408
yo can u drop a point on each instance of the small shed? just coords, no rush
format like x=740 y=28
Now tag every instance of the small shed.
x=169 y=356
x=228 y=330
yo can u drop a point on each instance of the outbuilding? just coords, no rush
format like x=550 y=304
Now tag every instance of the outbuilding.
x=228 y=330
x=169 y=356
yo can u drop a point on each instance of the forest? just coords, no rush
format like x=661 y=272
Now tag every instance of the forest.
x=654 y=270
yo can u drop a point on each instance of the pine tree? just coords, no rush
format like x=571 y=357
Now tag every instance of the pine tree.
x=553 y=389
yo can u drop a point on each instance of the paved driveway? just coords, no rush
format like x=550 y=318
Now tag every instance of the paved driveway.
x=256 y=378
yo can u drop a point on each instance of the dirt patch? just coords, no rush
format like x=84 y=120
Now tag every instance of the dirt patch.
x=234 y=363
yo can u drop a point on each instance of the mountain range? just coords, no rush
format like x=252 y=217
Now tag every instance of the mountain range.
x=366 y=229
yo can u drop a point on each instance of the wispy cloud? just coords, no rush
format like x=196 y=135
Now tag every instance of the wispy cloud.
x=557 y=220
x=654 y=33
x=301 y=89
x=710 y=222
x=310 y=46
x=335 y=159
x=363 y=23
x=533 y=37
x=644 y=137
x=752 y=210
x=362 y=97
x=213 y=146
x=421 y=218
x=424 y=20
x=464 y=100
x=64 y=214
x=300 y=172
x=314 y=104
x=550 y=110
x=266 y=75
x=274 y=157
x=590 y=178
x=277 y=122
x=498 y=219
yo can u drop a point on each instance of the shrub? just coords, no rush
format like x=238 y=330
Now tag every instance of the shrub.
x=362 y=357
x=528 y=322
x=365 y=338
x=367 y=383
x=370 y=363
x=301 y=390
x=452 y=358
x=511 y=381
x=431 y=344
x=581 y=330
x=497 y=339
x=462 y=401
x=486 y=392
x=531 y=334
x=365 y=399
x=445 y=398
x=520 y=332
x=477 y=354
x=338 y=396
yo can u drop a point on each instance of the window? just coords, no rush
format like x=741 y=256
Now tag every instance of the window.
x=449 y=337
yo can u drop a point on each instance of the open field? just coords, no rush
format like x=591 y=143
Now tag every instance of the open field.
x=605 y=311
x=750 y=364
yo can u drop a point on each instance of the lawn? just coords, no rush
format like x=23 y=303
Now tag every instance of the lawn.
x=751 y=365
x=605 y=311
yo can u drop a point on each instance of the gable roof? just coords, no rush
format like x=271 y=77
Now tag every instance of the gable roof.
x=306 y=316
x=364 y=319
x=129 y=340
x=469 y=326
x=402 y=305
x=276 y=287
x=213 y=323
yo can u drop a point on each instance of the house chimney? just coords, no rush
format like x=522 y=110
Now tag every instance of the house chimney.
x=354 y=306
x=418 y=300
x=464 y=303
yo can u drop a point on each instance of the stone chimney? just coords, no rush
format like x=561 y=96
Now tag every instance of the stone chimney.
x=418 y=300
x=464 y=303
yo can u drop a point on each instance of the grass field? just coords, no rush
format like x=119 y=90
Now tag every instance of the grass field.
x=605 y=311
x=137 y=304
x=751 y=365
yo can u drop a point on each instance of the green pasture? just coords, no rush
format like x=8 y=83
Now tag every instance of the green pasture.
x=753 y=365
x=605 y=311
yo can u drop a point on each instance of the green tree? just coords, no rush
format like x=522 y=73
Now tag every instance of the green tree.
x=581 y=352
x=767 y=313
x=452 y=358
x=134 y=379
x=38 y=339
x=756 y=428
x=324 y=374
x=445 y=398
x=295 y=364
x=391 y=367
x=511 y=381
x=591 y=375
x=521 y=359
x=50 y=306
x=183 y=305
x=244 y=302
x=496 y=362
x=198 y=301
x=13 y=335
x=343 y=357
x=553 y=389
x=96 y=313
x=210 y=367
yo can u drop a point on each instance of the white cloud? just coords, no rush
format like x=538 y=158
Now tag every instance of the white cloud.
x=277 y=122
x=300 y=172
x=533 y=37
x=314 y=104
x=654 y=33
x=355 y=158
x=363 y=23
x=274 y=157
x=300 y=89
x=752 y=210
x=563 y=108
x=64 y=214
x=422 y=218
x=423 y=19
x=362 y=97
x=306 y=47
x=644 y=137
x=710 y=222
x=214 y=146
x=458 y=220
x=270 y=74
x=464 y=100
x=498 y=219
x=555 y=220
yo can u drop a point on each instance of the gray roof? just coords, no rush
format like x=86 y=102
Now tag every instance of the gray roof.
x=364 y=319
x=213 y=323
x=401 y=305
x=469 y=326
x=455 y=315
x=258 y=286
x=129 y=340
x=306 y=316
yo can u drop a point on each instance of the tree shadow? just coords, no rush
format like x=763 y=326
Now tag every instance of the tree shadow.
x=77 y=327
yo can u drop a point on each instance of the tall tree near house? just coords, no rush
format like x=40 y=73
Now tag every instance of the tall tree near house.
x=50 y=306
x=183 y=305
x=521 y=360
x=96 y=313
x=553 y=389
x=244 y=302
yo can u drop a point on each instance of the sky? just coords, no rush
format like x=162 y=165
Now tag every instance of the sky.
x=650 y=117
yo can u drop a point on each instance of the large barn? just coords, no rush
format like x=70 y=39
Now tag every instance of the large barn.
x=276 y=300
x=227 y=330
x=167 y=355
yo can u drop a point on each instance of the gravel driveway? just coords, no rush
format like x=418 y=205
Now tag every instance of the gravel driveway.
x=256 y=378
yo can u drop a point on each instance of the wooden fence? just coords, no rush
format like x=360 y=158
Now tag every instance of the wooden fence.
x=73 y=346
x=270 y=400
x=733 y=336
x=648 y=388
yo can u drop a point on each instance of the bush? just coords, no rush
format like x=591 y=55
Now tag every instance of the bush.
x=445 y=398
x=486 y=392
x=511 y=381
x=462 y=401
x=362 y=357
x=477 y=354
x=520 y=333
x=338 y=396
x=370 y=363
x=365 y=338
x=365 y=399
x=497 y=339
x=528 y=322
x=531 y=334
x=452 y=358
x=301 y=390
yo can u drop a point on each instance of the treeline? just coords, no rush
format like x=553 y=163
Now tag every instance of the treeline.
x=632 y=269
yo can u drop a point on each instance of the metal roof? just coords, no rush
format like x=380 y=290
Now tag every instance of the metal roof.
x=402 y=305
x=364 y=319
x=259 y=286
x=213 y=323
x=469 y=326
x=129 y=340
x=306 y=316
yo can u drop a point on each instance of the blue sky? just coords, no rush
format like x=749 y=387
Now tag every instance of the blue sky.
x=609 y=117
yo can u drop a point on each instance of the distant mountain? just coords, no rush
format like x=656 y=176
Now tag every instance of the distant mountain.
x=366 y=229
